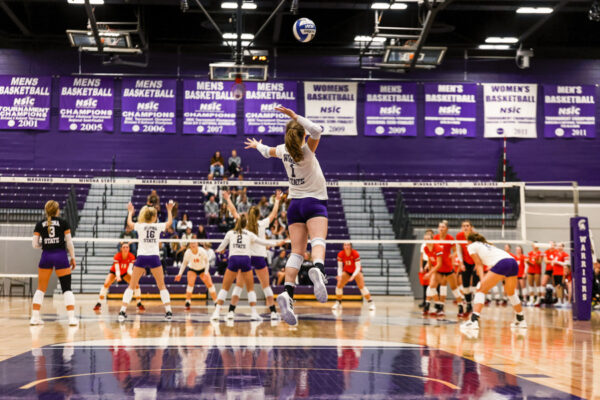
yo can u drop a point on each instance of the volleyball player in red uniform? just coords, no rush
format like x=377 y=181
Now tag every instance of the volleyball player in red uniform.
x=561 y=261
x=349 y=269
x=547 y=288
x=434 y=253
x=520 y=257
x=446 y=271
x=470 y=279
x=120 y=270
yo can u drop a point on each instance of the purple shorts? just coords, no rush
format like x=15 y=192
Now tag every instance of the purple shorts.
x=54 y=259
x=258 y=262
x=301 y=210
x=147 y=262
x=239 y=263
x=507 y=267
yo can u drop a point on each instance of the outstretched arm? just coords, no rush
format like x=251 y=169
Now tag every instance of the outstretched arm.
x=313 y=129
x=230 y=205
x=130 y=211
x=275 y=210
x=265 y=150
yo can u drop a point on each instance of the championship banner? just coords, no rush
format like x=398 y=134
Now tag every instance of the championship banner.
x=25 y=102
x=86 y=104
x=260 y=117
x=451 y=109
x=332 y=105
x=569 y=111
x=208 y=107
x=582 y=268
x=510 y=110
x=148 y=105
x=390 y=109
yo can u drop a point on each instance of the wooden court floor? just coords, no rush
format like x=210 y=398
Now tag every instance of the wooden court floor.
x=390 y=353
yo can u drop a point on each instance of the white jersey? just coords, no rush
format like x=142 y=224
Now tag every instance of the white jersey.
x=306 y=177
x=240 y=244
x=256 y=249
x=489 y=255
x=197 y=262
x=149 y=235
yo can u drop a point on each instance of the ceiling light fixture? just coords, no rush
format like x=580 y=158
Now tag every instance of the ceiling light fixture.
x=534 y=10
x=494 y=47
x=498 y=39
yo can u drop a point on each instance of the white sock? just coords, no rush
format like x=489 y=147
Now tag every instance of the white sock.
x=217 y=307
x=71 y=314
x=123 y=308
x=253 y=310
x=35 y=314
x=168 y=308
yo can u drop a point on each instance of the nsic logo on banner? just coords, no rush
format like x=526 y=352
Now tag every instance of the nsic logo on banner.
x=582 y=268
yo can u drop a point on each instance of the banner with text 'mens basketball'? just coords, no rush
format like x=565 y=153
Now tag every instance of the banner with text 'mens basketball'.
x=510 y=110
x=569 y=111
x=25 y=102
x=260 y=116
x=451 y=109
x=332 y=105
x=390 y=109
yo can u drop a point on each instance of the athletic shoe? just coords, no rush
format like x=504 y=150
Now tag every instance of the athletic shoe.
x=275 y=316
x=538 y=302
x=504 y=303
x=188 y=306
x=140 y=307
x=255 y=317
x=73 y=321
x=461 y=310
x=530 y=302
x=317 y=278
x=371 y=306
x=337 y=305
x=215 y=315
x=230 y=315
x=36 y=321
x=469 y=325
x=518 y=324
x=169 y=316
x=440 y=313
x=286 y=306
x=97 y=307
x=122 y=316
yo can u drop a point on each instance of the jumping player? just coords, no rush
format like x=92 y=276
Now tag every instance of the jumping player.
x=445 y=274
x=258 y=258
x=307 y=213
x=121 y=269
x=148 y=255
x=469 y=278
x=350 y=268
x=534 y=271
x=240 y=243
x=53 y=236
x=503 y=268
x=196 y=260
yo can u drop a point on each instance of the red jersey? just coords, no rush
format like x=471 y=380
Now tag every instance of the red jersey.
x=433 y=254
x=550 y=257
x=561 y=256
x=447 y=250
x=463 y=247
x=532 y=262
x=123 y=263
x=521 y=260
x=349 y=261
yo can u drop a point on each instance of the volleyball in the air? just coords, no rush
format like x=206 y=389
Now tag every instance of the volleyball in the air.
x=304 y=30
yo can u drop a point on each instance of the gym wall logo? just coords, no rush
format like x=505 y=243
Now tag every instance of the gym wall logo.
x=582 y=225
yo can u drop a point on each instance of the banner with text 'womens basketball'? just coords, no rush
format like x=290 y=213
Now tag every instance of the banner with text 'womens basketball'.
x=208 y=108
x=86 y=104
x=450 y=109
x=25 y=102
x=390 y=109
x=510 y=110
x=332 y=105
x=260 y=101
x=569 y=111
x=148 y=105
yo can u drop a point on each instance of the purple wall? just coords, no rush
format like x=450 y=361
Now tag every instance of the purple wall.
x=541 y=159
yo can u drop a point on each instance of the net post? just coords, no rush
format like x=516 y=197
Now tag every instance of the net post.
x=575 y=199
x=523 y=212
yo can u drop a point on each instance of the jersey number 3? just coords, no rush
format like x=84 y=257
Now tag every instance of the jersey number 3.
x=52 y=232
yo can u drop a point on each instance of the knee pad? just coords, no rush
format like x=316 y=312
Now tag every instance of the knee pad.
x=65 y=283
x=69 y=298
x=189 y=289
x=339 y=291
x=444 y=291
x=268 y=291
x=318 y=242
x=430 y=292
x=252 y=297
x=364 y=291
x=137 y=293
x=222 y=295
x=457 y=294
x=103 y=291
x=165 y=297
x=294 y=261
x=479 y=298
x=127 y=295
x=211 y=289
x=514 y=299
x=38 y=297
x=237 y=291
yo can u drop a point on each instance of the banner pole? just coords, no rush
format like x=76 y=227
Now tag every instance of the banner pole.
x=503 y=187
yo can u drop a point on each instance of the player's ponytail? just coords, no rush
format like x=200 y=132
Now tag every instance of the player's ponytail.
x=476 y=237
x=252 y=224
x=147 y=214
x=51 y=209
x=294 y=137
x=241 y=223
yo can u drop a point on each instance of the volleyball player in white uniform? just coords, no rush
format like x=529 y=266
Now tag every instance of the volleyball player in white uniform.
x=503 y=268
x=307 y=213
x=148 y=255
x=240 y=243
x=258 y=258
x=196 y=260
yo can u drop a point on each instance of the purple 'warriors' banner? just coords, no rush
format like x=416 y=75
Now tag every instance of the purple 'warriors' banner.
x=25 y=102
x=569 y=111
x=582 y=268
x=260 y=117
x=86 y=104
x=148 y=105
x=208 y=107
x=390 y=109
x=450 y=109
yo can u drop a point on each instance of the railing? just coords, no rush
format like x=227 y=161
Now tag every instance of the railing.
x=83 y=268
x=71 y=211
x=403 y=229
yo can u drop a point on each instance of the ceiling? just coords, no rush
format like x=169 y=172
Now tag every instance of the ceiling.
x=464 y=24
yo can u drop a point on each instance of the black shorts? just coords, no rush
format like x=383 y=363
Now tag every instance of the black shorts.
x=197 y=272
x=558 y=280
x=548 y=272
x=445 y=273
